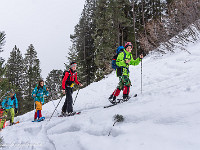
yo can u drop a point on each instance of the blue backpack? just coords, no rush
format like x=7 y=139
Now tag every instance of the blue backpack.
x=119 y=50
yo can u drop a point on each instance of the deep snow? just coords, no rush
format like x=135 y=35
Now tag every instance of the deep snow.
x=166 y=116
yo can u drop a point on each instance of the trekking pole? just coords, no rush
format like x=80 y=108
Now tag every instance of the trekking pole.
x=34 y=109
x=141 y=76
x=54 y=105
x=76 y=96
x=56 y=108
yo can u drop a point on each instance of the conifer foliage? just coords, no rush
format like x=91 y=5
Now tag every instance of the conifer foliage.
x=4 y=83
x=15 y=74
x=83 y=49
x=107 y=24
x=54 y=84
x=31 y=75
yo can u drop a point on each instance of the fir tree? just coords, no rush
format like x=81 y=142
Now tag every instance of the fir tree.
x=32 y=75
x=54 y=84
x=113 y=28
x=4 y=83
x=2 y=40
x=14 y=73
x=82 y=50
x=14 y=68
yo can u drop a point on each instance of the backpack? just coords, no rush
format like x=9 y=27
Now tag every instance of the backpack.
x=114 y=65
x=64 y=74
x=119 y=50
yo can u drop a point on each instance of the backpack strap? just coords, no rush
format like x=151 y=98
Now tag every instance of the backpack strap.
x=125 y=55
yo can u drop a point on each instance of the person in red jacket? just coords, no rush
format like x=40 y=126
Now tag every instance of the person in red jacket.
x=67 y=85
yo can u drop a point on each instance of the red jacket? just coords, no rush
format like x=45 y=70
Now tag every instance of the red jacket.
x=69 y=78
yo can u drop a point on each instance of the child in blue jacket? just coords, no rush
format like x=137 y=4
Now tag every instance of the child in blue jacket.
x=10 y=104
x=38 y=94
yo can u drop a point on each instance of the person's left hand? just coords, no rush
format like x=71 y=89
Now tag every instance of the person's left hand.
x=80 y=85
x=141 y=56
x=63 y=91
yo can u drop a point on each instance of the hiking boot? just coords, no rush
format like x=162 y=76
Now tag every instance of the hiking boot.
x=113 y=100
x=12 y=123
x=64 y=114
x=126 y=97
x=111 y=97
x=71 y=113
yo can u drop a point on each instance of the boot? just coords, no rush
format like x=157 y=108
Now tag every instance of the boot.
x=111 y=97
x=113 y=100
x=63 y=114
x=126 y=97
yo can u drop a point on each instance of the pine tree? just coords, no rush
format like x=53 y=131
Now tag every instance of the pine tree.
x=32 y=75
x=82 y=50
x=2 y=40
x=14 y=73
x=113 y=28
x=14 y=68
x=54 y=84
x=4 y=83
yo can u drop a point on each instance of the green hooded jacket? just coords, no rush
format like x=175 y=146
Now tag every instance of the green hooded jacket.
x=121 y=62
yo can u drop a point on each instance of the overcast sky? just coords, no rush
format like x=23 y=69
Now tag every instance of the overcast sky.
x=47 y=24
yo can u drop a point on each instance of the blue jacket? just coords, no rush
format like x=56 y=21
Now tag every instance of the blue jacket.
x=10 y=102
x=40 y=94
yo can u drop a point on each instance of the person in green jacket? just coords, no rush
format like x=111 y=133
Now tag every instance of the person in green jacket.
x=124 y=60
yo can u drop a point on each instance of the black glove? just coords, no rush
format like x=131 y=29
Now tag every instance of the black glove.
x=16 y=110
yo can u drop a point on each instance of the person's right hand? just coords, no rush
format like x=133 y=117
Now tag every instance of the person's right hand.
x=34 y=95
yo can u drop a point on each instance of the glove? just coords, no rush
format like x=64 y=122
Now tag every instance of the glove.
x=16 y=110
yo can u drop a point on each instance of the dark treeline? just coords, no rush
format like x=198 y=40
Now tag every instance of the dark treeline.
x=103 y=26
x=22 y=74
x=106 y=24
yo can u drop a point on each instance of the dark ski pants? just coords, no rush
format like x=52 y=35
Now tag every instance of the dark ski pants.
x=68 y=101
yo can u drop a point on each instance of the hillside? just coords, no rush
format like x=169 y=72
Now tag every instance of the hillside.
x=166 y=116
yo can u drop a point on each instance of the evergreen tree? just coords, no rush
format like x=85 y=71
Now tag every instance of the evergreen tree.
x=54 y=84
x=82 y=50
x=2 y=40
x=32 y=76
x=4 y=84
x=14 y=68
x=14 y=73
x=113 y=28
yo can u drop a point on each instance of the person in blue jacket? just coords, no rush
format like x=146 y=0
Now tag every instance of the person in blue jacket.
x=10 y=104
x=38 y=94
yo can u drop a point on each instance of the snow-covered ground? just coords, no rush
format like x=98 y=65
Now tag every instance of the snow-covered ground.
x=166 y=116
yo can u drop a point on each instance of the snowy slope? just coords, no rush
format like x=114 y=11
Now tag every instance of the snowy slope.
x=165 y=117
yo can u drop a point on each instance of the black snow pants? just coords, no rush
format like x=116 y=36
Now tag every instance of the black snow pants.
x=68 y=101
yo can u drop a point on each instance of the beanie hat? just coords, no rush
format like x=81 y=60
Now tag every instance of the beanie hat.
x=72 y=64
x=128 y=44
